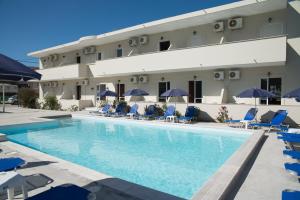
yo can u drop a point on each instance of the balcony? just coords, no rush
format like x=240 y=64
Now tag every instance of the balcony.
x=67 y=72
x=251 y=53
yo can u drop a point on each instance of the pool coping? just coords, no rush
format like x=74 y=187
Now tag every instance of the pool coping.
x=226 y=177
x=216 y=186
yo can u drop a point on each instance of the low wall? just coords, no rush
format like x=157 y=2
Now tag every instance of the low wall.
x=67 y=103
x=209 y=112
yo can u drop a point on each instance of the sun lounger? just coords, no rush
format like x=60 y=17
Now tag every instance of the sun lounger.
x=290 y=195
x=120 y=111
x=276 y=122
x=168 y=113
x=292 y=153
x=249 y=117
x=7 y=164
x=133 y=111
x=150 y=112
x=191 y=113
x=103 y=111
x=63 y=192
x=11 y=180
x=293 y=168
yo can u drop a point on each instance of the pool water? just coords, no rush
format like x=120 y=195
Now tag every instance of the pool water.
x=170 y=159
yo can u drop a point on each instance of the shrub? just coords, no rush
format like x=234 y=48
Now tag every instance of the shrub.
x=51 y=103
x=74 y=108
x=223 y=114
x=177 y=113
x=28 y=98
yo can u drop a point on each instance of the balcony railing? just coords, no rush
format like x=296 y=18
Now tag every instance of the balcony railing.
x=247 y=53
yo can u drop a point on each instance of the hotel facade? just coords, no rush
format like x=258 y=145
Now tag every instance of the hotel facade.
x=213 y=54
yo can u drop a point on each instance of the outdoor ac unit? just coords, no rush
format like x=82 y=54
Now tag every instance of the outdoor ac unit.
x=54 y=57
x=219 y=76
x=234 y=75
x=218 y=26
x=144 y=39
x=134 y=79
x=85 y=82
x=235 y=23
x=143 y=79
x=133 y=42
x=89 y=50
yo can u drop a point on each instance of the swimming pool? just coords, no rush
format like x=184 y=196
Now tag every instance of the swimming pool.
x=170 y=159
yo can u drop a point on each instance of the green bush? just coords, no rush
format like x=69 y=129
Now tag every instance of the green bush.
x=28 y=98
x=51 y=103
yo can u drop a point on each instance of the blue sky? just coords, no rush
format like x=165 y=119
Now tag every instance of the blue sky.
x=30 y=25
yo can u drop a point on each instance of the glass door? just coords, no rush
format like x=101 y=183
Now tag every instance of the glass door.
x=195 y=92
x=272 y=85
x=121 y=91
x=163 y=87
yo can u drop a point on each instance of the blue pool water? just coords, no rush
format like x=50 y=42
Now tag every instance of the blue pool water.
x=174 y=160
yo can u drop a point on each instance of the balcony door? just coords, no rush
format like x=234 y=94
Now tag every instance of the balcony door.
x=78 y=92
x=163 y=87
x=195 y=91
x=272 y=85
x=121 y=91
x=101 y=88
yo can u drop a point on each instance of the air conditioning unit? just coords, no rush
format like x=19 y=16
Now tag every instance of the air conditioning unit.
x=234 y=75
x=235 y=23
x=54 y=57
x=85 y=82
x=133 y=42
x=144 y=39
x=218 y=26
x=89 y=50
x=143 y=79
x=219 y=76
x=134 y=79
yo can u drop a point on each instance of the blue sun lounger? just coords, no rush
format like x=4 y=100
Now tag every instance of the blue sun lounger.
x=250 y=116
x=276 y=121
x=191 y=113
x=103 y=111
x=7 y=164
x=133 y=111
x=293 y=168
x=150 y=112
x=63 y=192
x=120 y=111
x=290 y=139
x=292 y=153
x=169 y=112
x=290 y=195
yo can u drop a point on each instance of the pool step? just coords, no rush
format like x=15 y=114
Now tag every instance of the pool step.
x=2 y=137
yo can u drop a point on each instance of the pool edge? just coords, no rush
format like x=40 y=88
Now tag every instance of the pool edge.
x=225 y=179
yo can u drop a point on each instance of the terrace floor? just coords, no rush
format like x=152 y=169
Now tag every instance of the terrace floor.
x=265 y=179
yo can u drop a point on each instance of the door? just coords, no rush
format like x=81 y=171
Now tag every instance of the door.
x=121 y=91
x=101 y=88
x=195 y=92
x=78 y=92
x=163 y=87
x=272 y=85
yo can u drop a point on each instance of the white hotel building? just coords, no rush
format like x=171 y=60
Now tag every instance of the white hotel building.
x=213 y=54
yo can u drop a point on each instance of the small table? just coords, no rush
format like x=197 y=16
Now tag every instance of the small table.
x=10 y=180
x=171 y=118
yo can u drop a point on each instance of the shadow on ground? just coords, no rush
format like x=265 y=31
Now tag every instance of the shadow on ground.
x=33 y=182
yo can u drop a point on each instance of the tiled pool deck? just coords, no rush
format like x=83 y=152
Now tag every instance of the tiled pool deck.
x=265 y=179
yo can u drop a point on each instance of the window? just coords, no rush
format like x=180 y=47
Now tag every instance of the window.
x=195 y=92
x=78 y=59
x=164 y=46
x=99 y=56
x=119 y=52
x=163 y=87
x=272 y=85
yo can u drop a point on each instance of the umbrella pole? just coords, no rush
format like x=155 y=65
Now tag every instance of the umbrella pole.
x=3 y=97
x=255 y=109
